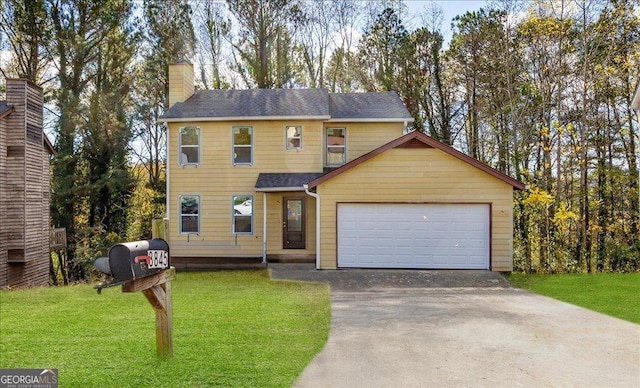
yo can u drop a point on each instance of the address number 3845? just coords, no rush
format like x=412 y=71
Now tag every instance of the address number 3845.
x=158 y=259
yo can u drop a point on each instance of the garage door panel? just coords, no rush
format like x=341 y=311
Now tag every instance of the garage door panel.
x=413 y=236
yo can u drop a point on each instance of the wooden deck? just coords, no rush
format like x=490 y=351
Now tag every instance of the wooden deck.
x=192 y=264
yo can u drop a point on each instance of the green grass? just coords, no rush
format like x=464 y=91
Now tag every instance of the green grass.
x=229 y=329
x=615 y=294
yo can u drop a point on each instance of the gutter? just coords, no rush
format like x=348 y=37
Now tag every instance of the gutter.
x=317 y=198
x=239 y=118
x=277 y=189
x=368 y=120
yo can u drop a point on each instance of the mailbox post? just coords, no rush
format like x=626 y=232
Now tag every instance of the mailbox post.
x=144 y=266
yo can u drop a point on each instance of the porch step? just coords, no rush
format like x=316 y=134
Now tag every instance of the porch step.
x=192 y=264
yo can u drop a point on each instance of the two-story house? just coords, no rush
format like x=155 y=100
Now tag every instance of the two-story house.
x=24 y=187
x=304 y=174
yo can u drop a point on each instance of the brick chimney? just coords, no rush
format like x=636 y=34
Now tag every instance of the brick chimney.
x=181 y=82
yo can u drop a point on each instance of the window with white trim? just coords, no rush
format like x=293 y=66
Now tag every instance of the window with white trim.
x=189 y=146
x=242 y=146
x=242 y=208
x=294 y=137
x=189 y=208
x=336 y=154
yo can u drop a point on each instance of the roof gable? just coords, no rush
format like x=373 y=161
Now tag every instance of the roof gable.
x=5 y=109
x=413 y=140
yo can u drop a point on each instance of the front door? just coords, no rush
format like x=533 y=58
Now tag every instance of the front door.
x=293 y=234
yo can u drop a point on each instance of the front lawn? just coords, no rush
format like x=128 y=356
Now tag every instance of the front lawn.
x=615 y=294
x=229 y=329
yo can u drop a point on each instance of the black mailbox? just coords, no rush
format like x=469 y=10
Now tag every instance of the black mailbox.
x=134 y=260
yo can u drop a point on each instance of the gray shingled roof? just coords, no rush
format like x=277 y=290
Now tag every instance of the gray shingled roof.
x=3 y=106
x=268 y=181
x=385 y=105
x=252 y=103
x=277 y=103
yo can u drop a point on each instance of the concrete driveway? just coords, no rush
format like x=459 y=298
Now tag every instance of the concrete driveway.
x=391 y=335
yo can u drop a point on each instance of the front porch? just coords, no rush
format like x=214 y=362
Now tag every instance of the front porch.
x=283 y=225
x=194 y=264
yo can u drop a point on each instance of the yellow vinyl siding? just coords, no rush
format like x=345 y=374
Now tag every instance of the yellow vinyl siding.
x=216 y=181
x=419 y=175
x=365 y=137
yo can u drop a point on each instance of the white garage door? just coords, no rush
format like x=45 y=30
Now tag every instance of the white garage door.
x=438 y=236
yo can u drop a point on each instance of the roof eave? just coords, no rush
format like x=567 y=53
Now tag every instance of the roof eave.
x=6 y=112
x=239 y=118
x=277 y=189
x=49 y=146
x=370 y=120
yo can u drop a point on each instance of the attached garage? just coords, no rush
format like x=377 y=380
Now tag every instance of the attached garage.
x=415 y=203
x=401 y=235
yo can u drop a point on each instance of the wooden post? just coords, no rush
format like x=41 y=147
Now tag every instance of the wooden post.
x=157 y=289
x=159 y=228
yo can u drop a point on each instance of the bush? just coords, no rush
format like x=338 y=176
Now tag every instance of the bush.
x=626 y=258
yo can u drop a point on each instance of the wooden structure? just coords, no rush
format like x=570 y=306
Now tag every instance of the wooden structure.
x=24 y=187
x=157 y=289
x=58 y=239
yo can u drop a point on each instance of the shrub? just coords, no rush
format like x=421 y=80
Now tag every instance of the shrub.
x=626 y=258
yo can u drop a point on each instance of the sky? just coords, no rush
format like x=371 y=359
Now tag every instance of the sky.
x=450 y=9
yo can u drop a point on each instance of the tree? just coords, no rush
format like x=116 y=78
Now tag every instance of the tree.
x=80 y=28
x=106 y=132
x=379 y=52
x=214 y=30
x=168 y=37
x=342 y=64
x=616 y=58
x=315 y=40
x=477 y=50
x=263 y=46
x=27 y=29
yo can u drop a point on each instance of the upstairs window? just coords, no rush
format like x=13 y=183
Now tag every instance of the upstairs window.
x=189 y=214
x=242 y=145
x=294 y=137
x=189 y=146
x=242 y=214
x=336 y=146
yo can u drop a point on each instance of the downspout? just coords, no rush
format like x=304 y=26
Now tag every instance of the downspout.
x=317 y=198
x=167 y=178
x=264 y=227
